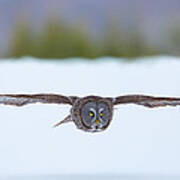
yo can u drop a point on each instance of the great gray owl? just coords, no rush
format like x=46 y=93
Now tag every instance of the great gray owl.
x=90 y=113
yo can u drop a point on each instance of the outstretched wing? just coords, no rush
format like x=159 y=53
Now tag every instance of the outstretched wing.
x=148 y=101
x=23 y=99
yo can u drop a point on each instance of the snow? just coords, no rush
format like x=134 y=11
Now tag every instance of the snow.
x=139 y=140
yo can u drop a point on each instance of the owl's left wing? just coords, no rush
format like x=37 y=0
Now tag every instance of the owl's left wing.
x=148 y=101
x=23 y=99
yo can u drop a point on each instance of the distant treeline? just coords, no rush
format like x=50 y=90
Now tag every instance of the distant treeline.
x=59 y=40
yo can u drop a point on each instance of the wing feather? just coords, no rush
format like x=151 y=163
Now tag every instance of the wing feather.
x=23 y=99
x=148 y=101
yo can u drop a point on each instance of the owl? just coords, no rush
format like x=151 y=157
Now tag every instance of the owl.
x=90 y=113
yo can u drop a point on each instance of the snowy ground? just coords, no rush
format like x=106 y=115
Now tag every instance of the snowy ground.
x=139 y=140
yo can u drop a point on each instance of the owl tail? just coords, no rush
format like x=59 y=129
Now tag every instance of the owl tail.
x=67 y=119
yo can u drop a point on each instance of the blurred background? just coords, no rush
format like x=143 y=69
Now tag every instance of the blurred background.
x=89 y=28
x=140 y=143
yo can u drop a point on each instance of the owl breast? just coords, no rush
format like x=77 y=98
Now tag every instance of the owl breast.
x=92 y=113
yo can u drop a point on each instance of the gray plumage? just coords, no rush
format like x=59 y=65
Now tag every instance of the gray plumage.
x=90 y=113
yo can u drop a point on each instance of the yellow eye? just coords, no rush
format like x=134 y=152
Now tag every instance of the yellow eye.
x=101 y=114
x=91 y=114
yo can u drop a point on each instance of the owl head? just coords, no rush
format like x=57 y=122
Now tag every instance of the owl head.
x=92 y=113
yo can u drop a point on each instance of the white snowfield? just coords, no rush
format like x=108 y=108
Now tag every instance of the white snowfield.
x=138 y=141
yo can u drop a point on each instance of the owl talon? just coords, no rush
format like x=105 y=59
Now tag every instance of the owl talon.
x=67 y=119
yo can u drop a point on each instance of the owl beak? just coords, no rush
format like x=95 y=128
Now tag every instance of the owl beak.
x=97 y=121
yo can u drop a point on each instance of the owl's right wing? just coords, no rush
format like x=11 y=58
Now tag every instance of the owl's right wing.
x=148 y=101
x=23 y=99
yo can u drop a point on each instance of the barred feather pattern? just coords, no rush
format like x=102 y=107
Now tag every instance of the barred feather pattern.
x=21 y=99
x=148 y=101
